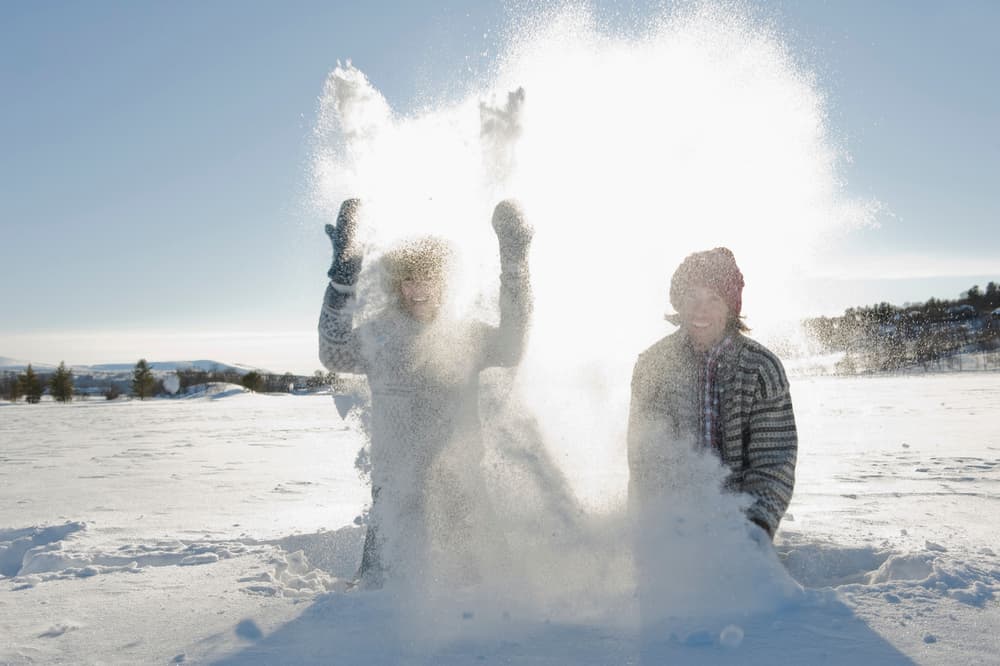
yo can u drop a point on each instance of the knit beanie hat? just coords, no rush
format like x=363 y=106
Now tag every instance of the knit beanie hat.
x=424 y=258
x=715 y=269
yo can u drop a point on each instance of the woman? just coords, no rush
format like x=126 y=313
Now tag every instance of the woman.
x=423 y=371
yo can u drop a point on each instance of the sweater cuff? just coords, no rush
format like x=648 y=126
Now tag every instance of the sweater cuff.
x=759 y=522
x=337 y=295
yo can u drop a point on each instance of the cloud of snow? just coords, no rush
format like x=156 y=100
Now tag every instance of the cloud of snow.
x=697 y=556
x=628 y=151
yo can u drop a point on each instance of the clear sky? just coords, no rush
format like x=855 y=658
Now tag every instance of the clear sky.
x=154 y=180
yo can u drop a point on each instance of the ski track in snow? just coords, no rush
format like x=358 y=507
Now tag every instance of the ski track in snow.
x=230 y=520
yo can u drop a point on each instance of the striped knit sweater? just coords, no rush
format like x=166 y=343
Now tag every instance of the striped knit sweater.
x=759 y=441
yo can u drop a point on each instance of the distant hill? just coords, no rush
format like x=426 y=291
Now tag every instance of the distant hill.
x=159 y=367
x=114 y=379
x=173 y=366
x=13 y=365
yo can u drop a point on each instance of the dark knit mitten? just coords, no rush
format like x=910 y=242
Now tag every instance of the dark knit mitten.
x=347 y=255
x=514 y=236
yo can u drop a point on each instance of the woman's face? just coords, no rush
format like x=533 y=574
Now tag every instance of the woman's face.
x=421 y=297
x=704 y=315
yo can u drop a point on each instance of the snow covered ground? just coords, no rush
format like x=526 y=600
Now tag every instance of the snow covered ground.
x=217 y=530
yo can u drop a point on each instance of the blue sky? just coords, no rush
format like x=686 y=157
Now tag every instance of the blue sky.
x=155 y=173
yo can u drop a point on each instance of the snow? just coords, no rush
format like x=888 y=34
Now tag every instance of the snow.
x=221 y=530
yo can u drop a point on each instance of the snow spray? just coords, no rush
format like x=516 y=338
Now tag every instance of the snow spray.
x=628 y=150
x=697 y=557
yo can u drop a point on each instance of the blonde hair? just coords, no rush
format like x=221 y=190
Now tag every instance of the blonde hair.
x=425 y=258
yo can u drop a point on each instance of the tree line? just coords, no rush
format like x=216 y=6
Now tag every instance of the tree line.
x=887 y=337
x=142 y=383
x=30 y=385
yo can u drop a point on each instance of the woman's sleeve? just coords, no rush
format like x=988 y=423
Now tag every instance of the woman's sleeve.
x=339 y=342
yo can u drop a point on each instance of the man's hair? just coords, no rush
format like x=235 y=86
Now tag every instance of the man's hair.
x=737 y=323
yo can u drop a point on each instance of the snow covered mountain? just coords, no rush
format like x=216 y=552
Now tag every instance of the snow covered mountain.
x=15 y=365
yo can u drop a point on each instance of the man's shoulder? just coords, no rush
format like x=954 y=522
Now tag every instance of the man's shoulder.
x=664 y=350
x=760 y=360
x=756 y=352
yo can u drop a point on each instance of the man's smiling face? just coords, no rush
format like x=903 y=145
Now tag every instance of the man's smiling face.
x=704 y=316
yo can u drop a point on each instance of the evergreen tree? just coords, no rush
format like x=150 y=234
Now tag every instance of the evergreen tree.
x=974 y=296
x=992 y=295
x=253 y=381
x=143 y=381
x=61 y=384
x=11 y=387
x=31 y=386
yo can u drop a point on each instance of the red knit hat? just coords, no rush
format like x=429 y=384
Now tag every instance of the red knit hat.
x=715 y=269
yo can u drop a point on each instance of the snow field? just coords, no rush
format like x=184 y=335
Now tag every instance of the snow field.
x=220 y=531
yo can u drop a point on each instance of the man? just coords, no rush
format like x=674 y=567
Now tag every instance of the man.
x=710 y=385
x=423 y=371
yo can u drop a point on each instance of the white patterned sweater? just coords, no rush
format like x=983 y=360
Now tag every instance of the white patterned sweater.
x=424 y=381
